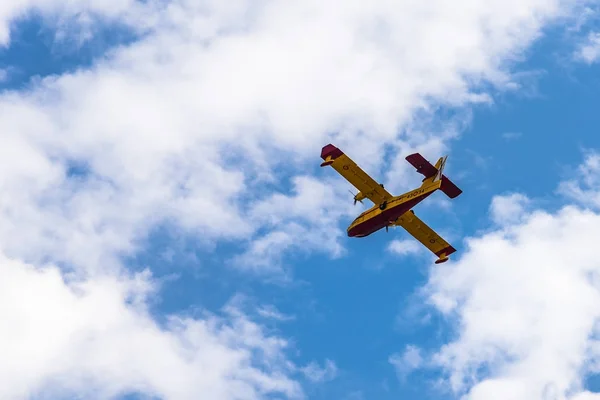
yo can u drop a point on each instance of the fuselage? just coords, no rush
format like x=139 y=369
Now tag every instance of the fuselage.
x=376 y=218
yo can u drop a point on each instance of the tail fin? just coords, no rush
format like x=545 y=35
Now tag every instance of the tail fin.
x=439 y=167
x=434 y=174
x=447 y=186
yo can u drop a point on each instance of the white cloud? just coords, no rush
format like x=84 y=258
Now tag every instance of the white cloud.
x=408 y=361
x=584 y=188
x=96 y=339
x=271 y=312
x=162 y=124
x=4 y=75
x=306 y=219
x=511 y=135
x=315 y=373
x=586 y=396
x=404 y=247
x=589 y=50
x=526 y=299
x=509 y=208
x=194 y=125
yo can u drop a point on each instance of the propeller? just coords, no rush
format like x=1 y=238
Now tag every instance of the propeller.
x=354 y=195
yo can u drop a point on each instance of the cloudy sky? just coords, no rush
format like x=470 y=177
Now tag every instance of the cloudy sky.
x=166 y=231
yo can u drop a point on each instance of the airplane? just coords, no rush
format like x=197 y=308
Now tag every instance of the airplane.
x=391 y=210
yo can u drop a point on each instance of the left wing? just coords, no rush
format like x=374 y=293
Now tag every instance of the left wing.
x=372 y=190
x=424 y=234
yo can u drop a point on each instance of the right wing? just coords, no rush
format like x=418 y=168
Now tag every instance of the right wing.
x=367 y=186
x=424 y=234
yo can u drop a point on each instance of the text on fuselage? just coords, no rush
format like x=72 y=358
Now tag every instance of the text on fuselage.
x=412 y=194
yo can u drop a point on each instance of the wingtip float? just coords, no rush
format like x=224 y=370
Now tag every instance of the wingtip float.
x=391 y=210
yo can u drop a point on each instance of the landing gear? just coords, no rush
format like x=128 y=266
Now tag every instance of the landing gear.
x=390 y=223
x=383 y=206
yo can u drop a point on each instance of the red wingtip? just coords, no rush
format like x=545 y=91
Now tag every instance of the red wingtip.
x=330 y=151
x=446 y=251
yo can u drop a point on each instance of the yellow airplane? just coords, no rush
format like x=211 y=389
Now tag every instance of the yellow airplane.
x=395 y=210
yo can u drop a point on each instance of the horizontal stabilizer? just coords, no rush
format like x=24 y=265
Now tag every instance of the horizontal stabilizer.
x=422 y=165
x=429 y=171
x=449 y=188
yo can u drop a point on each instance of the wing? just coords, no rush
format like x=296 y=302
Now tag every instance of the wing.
x=424 y=234
x=372 y=190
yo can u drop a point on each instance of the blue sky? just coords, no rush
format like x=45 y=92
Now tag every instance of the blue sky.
x=148 y=118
